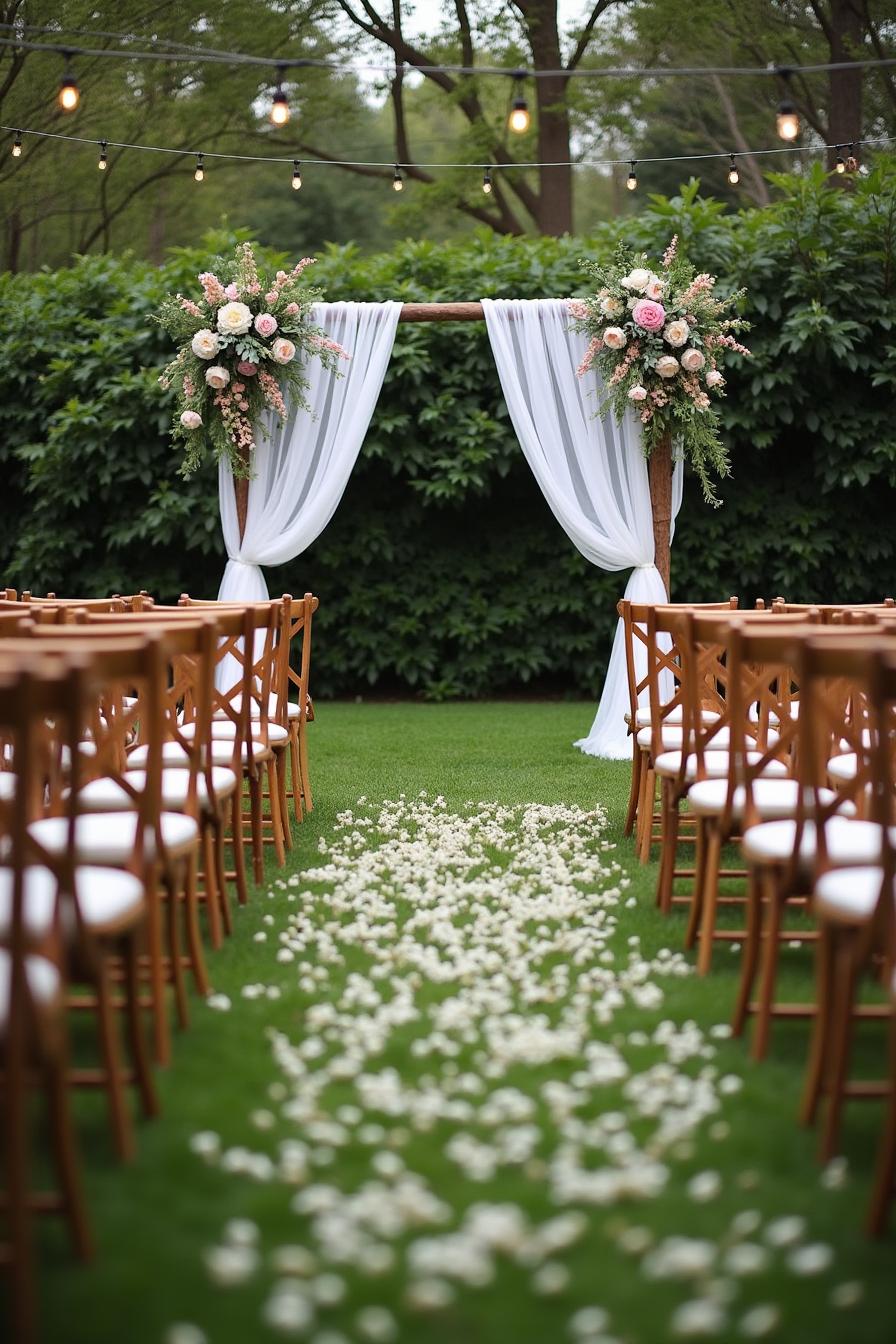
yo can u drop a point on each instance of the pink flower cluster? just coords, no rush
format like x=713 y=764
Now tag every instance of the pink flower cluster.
x=577 y=308
x=713 y=342
x=593 y=346
x=628 y=359
x=324 y=343
x=189 y=306
x=700 y=284
x=272 y=394
x=671 y=250
x=239 y=428
x=212 y=288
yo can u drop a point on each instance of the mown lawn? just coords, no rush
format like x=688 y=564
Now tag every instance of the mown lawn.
x=153 y=1219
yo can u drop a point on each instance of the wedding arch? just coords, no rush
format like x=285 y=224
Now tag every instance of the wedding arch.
x=617 y=508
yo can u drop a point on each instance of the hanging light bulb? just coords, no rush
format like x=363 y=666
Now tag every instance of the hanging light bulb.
x=199 y=174
x=788 y=118
x=17 y=146
x=103 y=162
x=852 y=163
x=733 y=174
x=280 y=105
x=487 y=182
x=397 y=180
x=296 y=175
x=519 y=119
x=632 y=180
x=840 y=165
x=69 y=94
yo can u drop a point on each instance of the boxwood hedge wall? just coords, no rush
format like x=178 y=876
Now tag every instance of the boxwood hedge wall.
x=443 y=572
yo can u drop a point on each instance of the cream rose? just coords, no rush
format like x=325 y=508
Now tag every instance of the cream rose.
x=654 y=287
x=714 y=378
x=283 y=350
x=638 y=279
x=217 y=377
x=190 y=419
x=615 y=338
x=611 y=307
x=637 y=393
x=234 y=319
x=677 y=332
x=205 y=344
x=692 y=361
x=667 y=366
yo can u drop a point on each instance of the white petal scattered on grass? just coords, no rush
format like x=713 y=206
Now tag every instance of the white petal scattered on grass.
x=430 y=1295
x=220 y=1003
x=241 y=1232
x=706 y=1185
x=297 y=1261
x=749 y=1179
x=835 y=1174
x=206 y=1144
x=229 y=1266
x=550 y=1278
x=745 y=1223
x=785 y=1231
x=288 y=1310
x=587 y=1322
x=698 y=1319
x=745 y=1259
x=846 y=1295
x=814 y=1258
x=183 y=1332
x=634 y=1240
x=376 y=1324
x=759 y=1321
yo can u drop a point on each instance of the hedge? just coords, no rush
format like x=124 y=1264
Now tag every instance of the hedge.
x=443 y=572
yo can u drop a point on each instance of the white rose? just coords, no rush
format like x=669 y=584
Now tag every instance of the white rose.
x=283 y=350
x=654 y=287
x=217 y=377
x=638 y=279
x=611 y=307
x=714 y=378
x=677 y=332
x=615 y=338
x=205 y=344
x=692 y=361
x=667 y=366
x=637 y=393
x=190 y=419
x=234 y=319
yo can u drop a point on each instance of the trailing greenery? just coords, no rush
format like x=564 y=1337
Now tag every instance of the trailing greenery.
x=443 y=571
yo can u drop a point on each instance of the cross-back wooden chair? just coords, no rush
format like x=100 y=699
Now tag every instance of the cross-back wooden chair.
x=33 y=1037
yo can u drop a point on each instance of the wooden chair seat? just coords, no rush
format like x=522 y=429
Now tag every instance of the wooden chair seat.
x=849 y=842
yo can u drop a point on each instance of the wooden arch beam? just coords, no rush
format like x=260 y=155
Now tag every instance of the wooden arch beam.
x=660 y=471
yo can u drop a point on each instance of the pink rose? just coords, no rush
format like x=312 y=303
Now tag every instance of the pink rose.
x=265 y=324
x=292 y=309
x=190 y=419
x=247 y=368
x=231 y=291
x=283 y=350
x=692 y=361
x=271 y=296
x=637 y=393
x=649 y=315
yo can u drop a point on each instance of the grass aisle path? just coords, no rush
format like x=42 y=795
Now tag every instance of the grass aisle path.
x=528 y=1103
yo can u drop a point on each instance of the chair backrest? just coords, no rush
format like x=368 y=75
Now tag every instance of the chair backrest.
x=638 y=665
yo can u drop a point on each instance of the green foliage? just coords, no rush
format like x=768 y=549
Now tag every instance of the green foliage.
x=443 y=571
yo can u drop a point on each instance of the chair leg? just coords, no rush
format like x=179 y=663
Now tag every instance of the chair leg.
x=236 y=838
x=194 y=937
x=119 y=1115
x=18 y=1214
x=646 y=820
x=220 y=876
x=181 y=880
x=669 y=805
x=255 y=805
x=750 y=962
x=845 y=969
x=709 y=897
x=818 y=1047
x=771 y=928
x=284 y=801
x=210 y=880
x=885 y=1175
x=136 y=1036
x=273 y=774
x=634 y=790
x=303 y=772
x=66 y=1159
x=153 y=926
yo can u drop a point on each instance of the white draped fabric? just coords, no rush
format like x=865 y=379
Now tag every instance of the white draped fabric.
x=591 y=469
x=301 y=467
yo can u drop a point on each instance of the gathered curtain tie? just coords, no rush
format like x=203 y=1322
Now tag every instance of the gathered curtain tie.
x=649 y=564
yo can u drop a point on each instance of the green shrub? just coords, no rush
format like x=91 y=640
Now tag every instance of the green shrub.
x=443 y=572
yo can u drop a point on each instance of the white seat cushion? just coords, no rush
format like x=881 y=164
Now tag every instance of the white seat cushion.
x=224 y=731
x=292 y=709
x=104 y=896
x=107 y=795
x=7 y=786
x=715 y=764
x=848 y=895
x=174 y=754
x=43 y=982
x=772 y=798
x=671 y=736
x=843 y=767
x=849 y=842
x=108 y=837
x=644 y=718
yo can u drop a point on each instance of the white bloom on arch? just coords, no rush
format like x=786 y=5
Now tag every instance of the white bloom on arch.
x=667 y=366
x=615 y=338
x=217 y=377
x=692 y=361
x=205 y=344
x=234 y=319
x=638 y=279
x=676 y=332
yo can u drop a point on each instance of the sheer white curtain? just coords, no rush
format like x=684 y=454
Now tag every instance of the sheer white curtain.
x=302 y=467
x=591 y=469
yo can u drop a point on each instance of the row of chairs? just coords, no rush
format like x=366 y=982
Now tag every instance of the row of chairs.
x=764 y=770
x=147 y=756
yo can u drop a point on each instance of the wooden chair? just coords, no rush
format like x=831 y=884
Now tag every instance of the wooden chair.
x=33 y=1039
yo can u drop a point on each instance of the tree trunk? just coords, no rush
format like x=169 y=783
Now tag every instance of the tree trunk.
x=660 y=473
x=554 y=215
x=845 y=86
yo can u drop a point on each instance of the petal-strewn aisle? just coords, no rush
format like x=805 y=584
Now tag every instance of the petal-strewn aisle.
x=488 y=1099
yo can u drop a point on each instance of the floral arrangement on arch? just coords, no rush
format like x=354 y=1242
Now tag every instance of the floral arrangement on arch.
x=657 y=336
x=241 y=344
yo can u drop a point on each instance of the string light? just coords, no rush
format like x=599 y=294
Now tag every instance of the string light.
x=103 y=162
x=733 y=174
x=852 y=163
x=840 y=165
x=788 y=119
x=69 y=94
x=296 y=175
x=487 y=182
x=397 y=180
x=519 y=119
x=17 y=146
x=632 y=180
x=280 y=105
x=199 y=174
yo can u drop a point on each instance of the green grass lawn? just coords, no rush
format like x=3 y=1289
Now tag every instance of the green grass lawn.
x=153 y=1219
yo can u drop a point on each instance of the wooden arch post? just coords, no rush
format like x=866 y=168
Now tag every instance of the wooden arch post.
x=660 y=470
